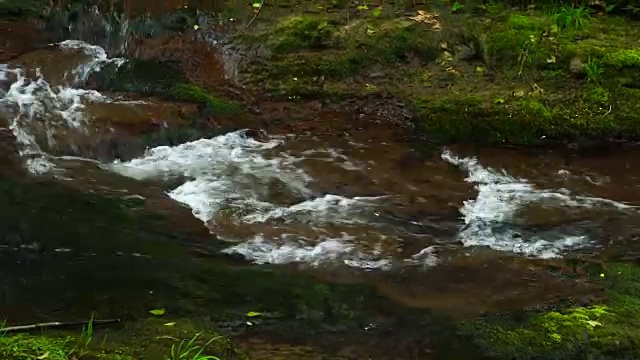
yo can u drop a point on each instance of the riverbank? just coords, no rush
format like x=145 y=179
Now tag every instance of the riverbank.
x=483 y=74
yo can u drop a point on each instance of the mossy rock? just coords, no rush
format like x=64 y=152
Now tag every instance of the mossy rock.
x=521 y=43
x=526 y=120
x=147 y=77
x=163 y=79
x=599 y=332
x=297 y=33
x=303 y=64
x=195 y=93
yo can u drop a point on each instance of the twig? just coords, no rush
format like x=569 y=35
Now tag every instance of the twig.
x=55 y=324
x=255 y=15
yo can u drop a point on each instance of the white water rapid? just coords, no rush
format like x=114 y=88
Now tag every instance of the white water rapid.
x=264 y=200
x=38 y=111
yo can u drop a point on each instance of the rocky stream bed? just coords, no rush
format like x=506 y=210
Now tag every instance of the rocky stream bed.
x=320 y=179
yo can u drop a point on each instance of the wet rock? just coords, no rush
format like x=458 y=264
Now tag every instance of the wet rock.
x=18 y=37
x=498 y=282
x=54 y=63
x=148 y=77
x=9 y=155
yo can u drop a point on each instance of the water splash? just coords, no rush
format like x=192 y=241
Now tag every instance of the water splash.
x=491 y=217
x=98 y=58
x=292 y=249
x=256 y=186
x=38 y=110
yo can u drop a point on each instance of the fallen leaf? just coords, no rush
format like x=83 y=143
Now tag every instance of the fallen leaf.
x=157 y=312
x=253 y=314
x=170 y=324
x=427 y=18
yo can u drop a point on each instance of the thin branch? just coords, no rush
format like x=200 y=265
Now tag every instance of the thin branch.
x=255 y=15
x=54 y=325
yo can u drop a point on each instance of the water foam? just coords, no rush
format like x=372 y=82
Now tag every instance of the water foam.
x=97 y=54
x=293 y=249
x=50 y=109
x=237 y=176
x=500 y=197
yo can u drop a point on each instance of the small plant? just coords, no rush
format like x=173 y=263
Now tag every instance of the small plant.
x=189 y=350
x=593 y=70
x=82 y=344
x=572 y=18
x=456 y=7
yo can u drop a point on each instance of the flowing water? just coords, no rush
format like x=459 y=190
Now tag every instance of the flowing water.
x=347 y=207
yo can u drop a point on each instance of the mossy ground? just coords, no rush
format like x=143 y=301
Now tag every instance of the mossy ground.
x=600 y=331
x=489 y=75
x=153 y=338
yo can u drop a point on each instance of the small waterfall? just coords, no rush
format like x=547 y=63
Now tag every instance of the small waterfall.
x=38 y=111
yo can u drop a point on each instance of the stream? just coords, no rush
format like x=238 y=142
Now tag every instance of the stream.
x=457 y=230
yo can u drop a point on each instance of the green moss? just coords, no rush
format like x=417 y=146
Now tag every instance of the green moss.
x=522 y=22
x=575 y=112
x=25 y=347
x=472 y=118
x=554 y=335
x=153 y=338
x=605 y=331
x=628 y=58
x=306 y=56
x=520 y=44
x=194 y=93
x=394 y=41
x=598 y=95
x=297 y=33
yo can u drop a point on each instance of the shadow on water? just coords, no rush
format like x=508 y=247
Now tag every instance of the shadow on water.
x=66 y=254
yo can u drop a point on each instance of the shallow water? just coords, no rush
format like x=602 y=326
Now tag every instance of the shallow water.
x=426 y=229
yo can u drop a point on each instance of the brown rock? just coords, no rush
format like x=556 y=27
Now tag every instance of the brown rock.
x=18 y=37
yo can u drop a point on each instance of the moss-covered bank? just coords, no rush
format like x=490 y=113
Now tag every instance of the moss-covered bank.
x=485 y=74
x=600 y=331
